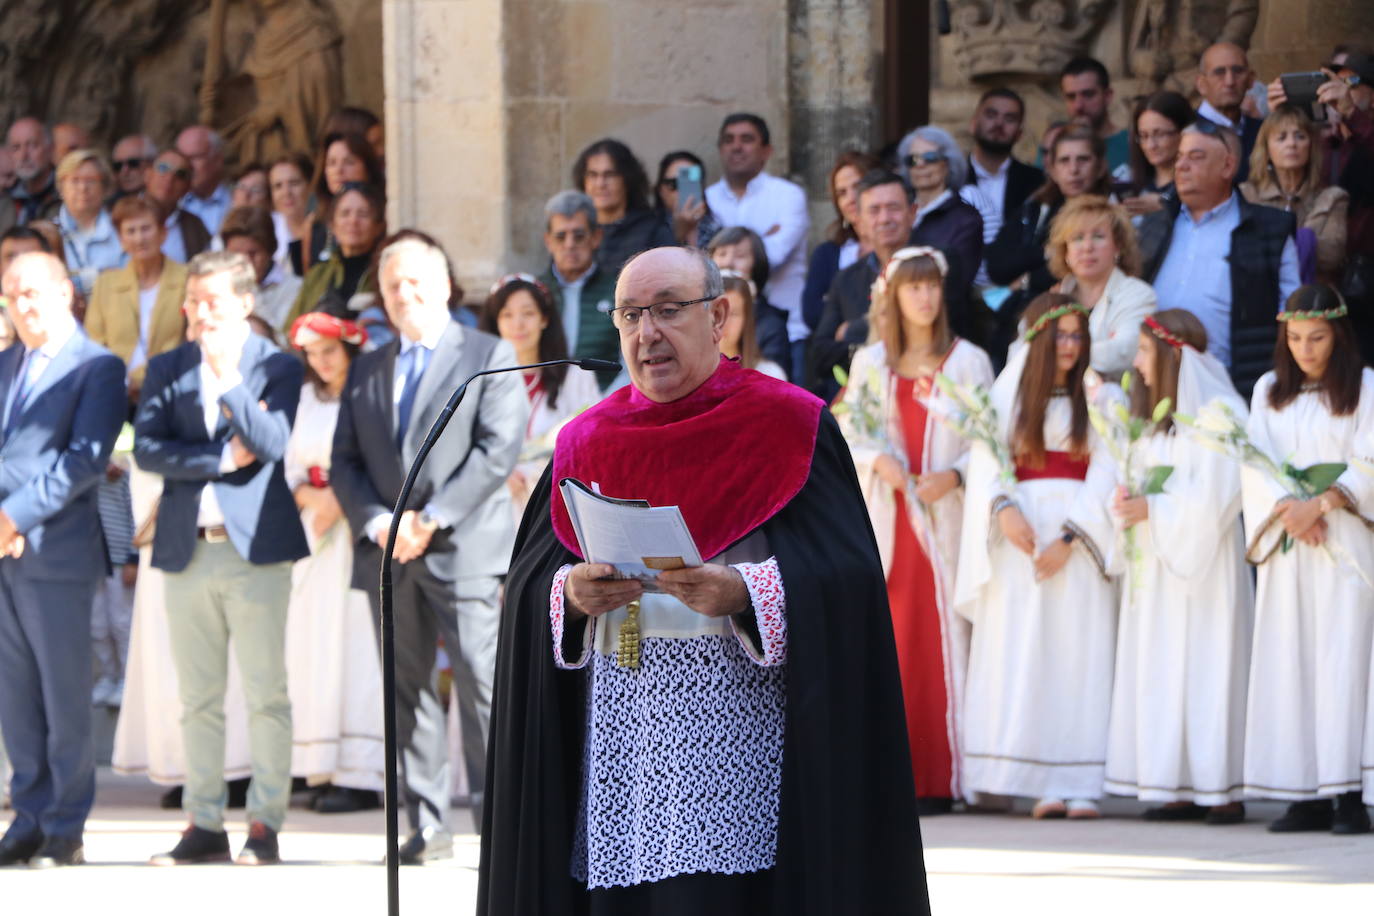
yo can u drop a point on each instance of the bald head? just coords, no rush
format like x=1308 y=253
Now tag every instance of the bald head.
x=1224 y=76
x=40 y=297
x=670 y=355
x=205 y=150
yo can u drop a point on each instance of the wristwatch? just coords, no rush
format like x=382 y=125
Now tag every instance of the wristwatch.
x=427 y=521
x=1324 y=504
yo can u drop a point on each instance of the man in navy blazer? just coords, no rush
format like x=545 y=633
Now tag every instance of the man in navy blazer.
x=62 y=399
x=213 y=420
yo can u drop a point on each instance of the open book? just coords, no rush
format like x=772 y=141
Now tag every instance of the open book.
x=629 y=534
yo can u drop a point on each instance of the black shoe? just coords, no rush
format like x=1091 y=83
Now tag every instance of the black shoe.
x=426 y=845
x=238 y=793
x=171 y=799
x=15 y=850
x=1225 y=815
x=261 y=848
x=928 y=807
x=58 y=851
x=1351 y=816
x=197 y=846
x=1304 y=816
x=1188 y=812
x=338 y=800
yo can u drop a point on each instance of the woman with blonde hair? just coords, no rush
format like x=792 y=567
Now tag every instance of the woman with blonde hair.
x=911 y=468
x=89 y=239
x=1092 y=249
x=1286 y=173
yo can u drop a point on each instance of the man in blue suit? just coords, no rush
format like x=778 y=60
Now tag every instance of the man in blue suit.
x=62 y=399
x=213 y=420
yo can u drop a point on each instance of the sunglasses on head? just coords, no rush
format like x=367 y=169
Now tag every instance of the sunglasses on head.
x=929 y=158
x=122 y=164
x=166 y=168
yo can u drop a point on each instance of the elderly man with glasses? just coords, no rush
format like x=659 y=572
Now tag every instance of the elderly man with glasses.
x=582 y=291
x=131 y=156
x=167 y=178
x=667 y=745
x=1223 y=78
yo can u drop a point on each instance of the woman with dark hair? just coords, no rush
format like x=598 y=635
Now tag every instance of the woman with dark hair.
x=614 y=179
x=1310 y=664
x=739 y=249
x=842 y=245
x=288 y=185
x=344 y=159
x=739 y=338
x=334 y=675
x=1287 y=173
x=1183 y=643
x=1156 y=129
x=1033 y=579
x=912 y=478
x=1077 y=165
x=691 y=221
x=357 y=222
x=521 y=312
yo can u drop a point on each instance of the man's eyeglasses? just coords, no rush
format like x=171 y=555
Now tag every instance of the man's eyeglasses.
x=165 y=168
x=929 y=158
x=122 y=164
x=628 y=317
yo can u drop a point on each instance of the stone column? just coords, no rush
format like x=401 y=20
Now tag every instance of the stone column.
x=448 y=156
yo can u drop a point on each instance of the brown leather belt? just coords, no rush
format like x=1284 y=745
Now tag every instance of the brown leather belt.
x=215 y=534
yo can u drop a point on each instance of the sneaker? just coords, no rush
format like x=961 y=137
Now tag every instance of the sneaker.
x=197 y=846
x=261 y=848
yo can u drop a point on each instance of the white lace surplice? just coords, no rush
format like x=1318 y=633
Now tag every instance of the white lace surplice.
x=683 y=756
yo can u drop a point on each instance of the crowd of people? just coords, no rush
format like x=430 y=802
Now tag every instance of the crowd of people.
x=1064 y=628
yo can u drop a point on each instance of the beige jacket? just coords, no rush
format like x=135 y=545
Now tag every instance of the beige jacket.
x=1324 y=213
x=112 y=316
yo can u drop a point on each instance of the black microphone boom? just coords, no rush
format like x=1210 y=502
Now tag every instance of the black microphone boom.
x=388 y=621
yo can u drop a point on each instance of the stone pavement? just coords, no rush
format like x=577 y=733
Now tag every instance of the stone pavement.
x=978 y=864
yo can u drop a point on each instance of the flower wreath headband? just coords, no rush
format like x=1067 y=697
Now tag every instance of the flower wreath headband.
x=879 y=287
x=508 y=279
x=1054 y=314
x=1340 y=311
x=1164 y=333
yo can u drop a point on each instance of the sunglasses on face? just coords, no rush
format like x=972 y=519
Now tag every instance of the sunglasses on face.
x=164 y=168
x=122 y=164
x=929 y=158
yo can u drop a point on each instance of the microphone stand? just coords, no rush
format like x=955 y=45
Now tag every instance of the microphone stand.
x=388 y=617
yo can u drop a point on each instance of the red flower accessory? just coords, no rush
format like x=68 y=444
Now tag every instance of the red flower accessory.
x=1164 y=333
x=313 y=326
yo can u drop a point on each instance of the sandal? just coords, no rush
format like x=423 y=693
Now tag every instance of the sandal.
x=1048 y=808
x=1083 y=809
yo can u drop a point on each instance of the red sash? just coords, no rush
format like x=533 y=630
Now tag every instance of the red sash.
x=1061 y=465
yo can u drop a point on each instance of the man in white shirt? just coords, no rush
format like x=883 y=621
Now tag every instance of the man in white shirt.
x=213 y=421
x=773 y=207
x=209 y=197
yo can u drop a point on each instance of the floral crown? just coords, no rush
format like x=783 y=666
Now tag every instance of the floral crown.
x=1340 y=311
x=1164 y=334
x=879 y=287
x=508 y=279
x=314 y=326
x=1053 y=314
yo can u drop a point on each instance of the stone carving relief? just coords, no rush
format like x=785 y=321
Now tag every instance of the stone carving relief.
x=288 y=83
x=1032 y=37
x=1168 y=36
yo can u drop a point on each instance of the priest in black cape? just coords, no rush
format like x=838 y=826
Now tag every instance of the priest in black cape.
x=748 y=752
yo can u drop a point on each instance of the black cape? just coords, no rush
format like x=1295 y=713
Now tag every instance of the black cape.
x=848 y=836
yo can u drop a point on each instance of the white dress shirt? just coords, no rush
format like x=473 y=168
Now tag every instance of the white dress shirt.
x=212 y=388
x=776 y=209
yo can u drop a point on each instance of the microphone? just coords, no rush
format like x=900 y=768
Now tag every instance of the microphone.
x=388 y=618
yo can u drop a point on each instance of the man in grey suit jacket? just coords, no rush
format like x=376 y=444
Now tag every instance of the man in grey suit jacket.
x=213 y=420
x=62 y=398
x=452 y=549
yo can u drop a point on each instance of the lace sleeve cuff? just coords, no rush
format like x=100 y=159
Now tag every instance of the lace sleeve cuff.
x=557 y=620
x=767 y=646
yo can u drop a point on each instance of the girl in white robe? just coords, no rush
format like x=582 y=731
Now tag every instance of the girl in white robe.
x=1314 y=616
x=332 y=663
x=1183 y=648
x=1033 y=581
x=919 y=544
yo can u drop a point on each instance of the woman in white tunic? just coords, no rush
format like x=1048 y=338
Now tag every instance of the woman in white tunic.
x=521 y=312
x=902 y=451
x=1033 y=580
x=1183 y=650
x=1309 y=675
x=1093 y=250
x=333 y=669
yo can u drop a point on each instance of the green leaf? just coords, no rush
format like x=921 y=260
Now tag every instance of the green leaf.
x=1126 y=382
x=1155 y=478
x=1319 y=477
x=1161 y=410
